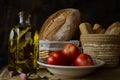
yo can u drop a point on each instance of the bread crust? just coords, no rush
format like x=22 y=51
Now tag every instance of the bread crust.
x=86 y=28
x=98 y=29
x=61 y=25
x=113 y=29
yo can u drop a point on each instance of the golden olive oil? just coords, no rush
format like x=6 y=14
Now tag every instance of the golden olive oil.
x=23 y=46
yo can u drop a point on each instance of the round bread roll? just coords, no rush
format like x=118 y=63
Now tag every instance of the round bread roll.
x=98 y=29
x=113 y=29
x=86 y=28
x=61 y=25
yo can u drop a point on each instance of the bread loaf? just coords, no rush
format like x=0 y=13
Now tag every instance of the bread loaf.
x=98 y=29
x=85 y=28
x=61 y=25
x=113 y=29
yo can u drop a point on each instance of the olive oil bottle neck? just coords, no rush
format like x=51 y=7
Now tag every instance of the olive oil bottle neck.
x=24 y=18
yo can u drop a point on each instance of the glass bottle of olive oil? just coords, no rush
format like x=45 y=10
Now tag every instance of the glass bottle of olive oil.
x=23 y=46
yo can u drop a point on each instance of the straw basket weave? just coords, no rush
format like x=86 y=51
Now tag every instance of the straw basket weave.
x=101 y=46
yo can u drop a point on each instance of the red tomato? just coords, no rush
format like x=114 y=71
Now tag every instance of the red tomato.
x=83 y=60
x=64 y=62
x=70 y=52
x=54 y=58
x=51 y=60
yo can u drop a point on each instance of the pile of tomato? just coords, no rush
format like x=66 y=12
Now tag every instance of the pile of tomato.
x=70 y=55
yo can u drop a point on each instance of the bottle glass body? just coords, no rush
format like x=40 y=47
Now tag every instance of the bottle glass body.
x=23 y=47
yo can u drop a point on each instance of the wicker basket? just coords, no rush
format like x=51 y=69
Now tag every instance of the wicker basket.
x=101 y=46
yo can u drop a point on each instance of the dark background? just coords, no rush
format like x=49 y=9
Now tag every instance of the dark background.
x=104 y=12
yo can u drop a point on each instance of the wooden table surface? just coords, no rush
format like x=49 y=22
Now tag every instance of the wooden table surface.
x=98 y=74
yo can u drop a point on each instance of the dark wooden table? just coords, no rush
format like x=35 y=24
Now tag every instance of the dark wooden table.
x=98 y=74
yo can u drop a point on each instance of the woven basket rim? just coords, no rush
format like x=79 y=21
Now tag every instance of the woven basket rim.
x=99 y=35
x=100 y=38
